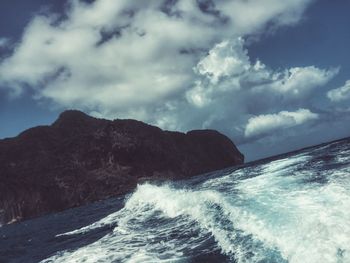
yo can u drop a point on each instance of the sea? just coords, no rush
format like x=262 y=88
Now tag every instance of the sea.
x=290 y=208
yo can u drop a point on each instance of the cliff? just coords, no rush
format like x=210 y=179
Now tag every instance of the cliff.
x=80 y=159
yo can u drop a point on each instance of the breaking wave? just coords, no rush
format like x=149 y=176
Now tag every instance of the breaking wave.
x=295 y=209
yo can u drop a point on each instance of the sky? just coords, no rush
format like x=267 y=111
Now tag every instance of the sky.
x=272 y=75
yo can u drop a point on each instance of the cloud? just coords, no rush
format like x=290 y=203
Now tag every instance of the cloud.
x=300 y=81
x=177 y=64
x=227 y=58
x=226 y=97
x=253 y=15
x=265 y=124
x=102 y=56
x=228 y=68
x=340 y=94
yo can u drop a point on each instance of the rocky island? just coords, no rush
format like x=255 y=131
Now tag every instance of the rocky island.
x=80 y=159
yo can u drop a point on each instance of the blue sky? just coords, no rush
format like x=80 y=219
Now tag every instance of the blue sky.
x=261 y=75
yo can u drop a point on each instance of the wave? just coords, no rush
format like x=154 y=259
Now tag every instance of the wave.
x=276 y=212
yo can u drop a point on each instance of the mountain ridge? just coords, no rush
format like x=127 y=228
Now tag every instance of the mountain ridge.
x=80 y=159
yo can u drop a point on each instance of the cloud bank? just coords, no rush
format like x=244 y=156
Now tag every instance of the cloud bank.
x=179 y=64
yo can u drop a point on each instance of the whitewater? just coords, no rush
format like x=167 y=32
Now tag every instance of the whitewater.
x=292 y=208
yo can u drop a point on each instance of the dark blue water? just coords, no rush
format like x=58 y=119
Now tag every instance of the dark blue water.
x=293 y=208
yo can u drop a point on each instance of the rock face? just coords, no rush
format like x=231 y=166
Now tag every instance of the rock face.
x=80 y=159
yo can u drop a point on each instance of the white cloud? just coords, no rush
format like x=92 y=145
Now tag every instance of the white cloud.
x=300 y=81
x=340 y=94
x=226 y=101
x=252 y=15
x=227 y=58
x=268 y=123
x=228 y=68
x=222 y=94
x=104 y=55
x=180 y=66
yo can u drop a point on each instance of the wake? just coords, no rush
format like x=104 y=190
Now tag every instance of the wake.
x=295 y=209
